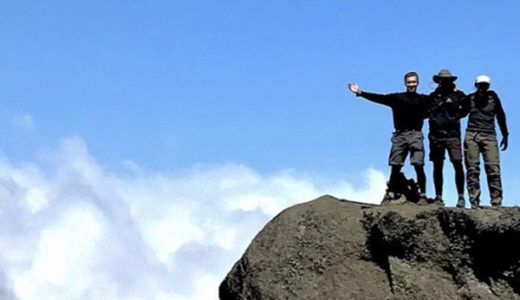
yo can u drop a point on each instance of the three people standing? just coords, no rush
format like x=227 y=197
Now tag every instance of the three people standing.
x=444 y=108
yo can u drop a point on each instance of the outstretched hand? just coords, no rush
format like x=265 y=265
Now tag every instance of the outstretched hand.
x=354 y=88
x=503 y=143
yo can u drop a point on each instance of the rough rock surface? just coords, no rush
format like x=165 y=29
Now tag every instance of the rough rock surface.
x=336 y=249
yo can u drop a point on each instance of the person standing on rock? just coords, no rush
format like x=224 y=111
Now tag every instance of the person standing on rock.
x=446 y=108
x=484 y=107
x=409 y=111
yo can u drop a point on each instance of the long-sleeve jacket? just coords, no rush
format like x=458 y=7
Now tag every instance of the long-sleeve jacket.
x=482 y=112
x=408 y=109
x=446 y=108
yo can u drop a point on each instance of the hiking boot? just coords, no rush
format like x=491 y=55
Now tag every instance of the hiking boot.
x=461 y=203
x=475 y=204
x=422 y=199
x=389 y=196
x=496 y=202
x=496 y=205
x=400 y=199
x=438 y=201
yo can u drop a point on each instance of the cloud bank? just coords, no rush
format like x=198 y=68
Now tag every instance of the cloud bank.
x=71 y=229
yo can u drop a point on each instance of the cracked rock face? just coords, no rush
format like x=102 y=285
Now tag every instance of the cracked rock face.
x=333 y=249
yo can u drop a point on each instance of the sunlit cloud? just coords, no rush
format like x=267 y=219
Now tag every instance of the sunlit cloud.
x=72 y=230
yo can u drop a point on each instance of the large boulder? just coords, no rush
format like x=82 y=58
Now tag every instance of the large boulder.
x=335 y=249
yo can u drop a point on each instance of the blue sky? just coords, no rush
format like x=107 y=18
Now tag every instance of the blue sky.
x=169 y=84
x=165 y=91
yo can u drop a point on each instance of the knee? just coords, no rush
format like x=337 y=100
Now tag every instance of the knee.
x=492 y=170
x=457 y=165
x=396 y=169
x=472 y=168
x=438 y=165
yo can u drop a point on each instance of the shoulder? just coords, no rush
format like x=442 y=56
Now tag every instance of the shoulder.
x=436 y=93
x=492 y=94
x=460 y=93
x=424 y=96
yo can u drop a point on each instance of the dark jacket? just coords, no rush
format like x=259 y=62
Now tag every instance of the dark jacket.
x=408 y=109
x=446 y=108
x=482 y=112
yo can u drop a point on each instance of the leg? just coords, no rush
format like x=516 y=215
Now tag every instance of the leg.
x=459 y=176
x=396 y=159
x=417 y=160
x=459 y=181
x=437 y=150
x=492 y=167
x=494 y=184
x=472 y=160
x=421 y=178
x=454 y=147
x=393 y=185
x=437 y=177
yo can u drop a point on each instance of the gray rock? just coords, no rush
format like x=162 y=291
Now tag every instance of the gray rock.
x=336 y=249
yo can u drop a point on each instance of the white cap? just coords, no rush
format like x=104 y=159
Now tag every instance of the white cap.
x=483 y=79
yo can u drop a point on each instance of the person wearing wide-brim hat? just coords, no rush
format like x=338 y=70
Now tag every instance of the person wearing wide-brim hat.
x=445 y=111
x=444 y=75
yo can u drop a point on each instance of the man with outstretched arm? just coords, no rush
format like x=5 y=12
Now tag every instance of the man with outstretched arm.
x=484 y=107
x=408 y=110
x=446 y=108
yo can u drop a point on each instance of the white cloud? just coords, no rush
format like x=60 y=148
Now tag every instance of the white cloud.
x=75 y=231
x=65 y=252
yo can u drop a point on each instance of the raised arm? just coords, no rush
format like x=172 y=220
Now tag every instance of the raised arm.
x=378 y=98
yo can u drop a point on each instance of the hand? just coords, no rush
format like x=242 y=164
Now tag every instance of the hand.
x=354 y=88
x=503 y=143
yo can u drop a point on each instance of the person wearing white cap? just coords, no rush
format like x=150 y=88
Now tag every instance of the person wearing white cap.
x=484 y=106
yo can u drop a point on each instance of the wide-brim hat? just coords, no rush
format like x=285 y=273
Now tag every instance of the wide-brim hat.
x=444 y=74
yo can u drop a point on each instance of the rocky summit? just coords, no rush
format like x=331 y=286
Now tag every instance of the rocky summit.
x=336 y=249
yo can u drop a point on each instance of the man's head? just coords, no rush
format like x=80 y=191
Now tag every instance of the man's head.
x=411 y=80
x=443 y=77
x=482 y=83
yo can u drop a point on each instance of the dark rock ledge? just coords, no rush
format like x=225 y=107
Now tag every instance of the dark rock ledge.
x=335 y=249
